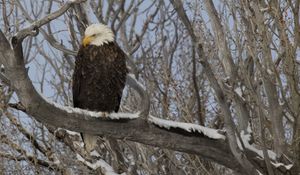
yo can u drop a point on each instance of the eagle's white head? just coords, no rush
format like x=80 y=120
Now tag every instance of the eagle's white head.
x=97 y=34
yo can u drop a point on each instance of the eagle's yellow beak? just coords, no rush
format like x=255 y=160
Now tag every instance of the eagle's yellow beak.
x=86 y=41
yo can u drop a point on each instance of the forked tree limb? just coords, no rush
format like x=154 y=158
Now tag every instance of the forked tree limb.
x=137 y=130
x=33 y=28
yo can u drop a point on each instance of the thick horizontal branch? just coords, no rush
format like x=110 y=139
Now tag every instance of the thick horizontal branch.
x=137 y=130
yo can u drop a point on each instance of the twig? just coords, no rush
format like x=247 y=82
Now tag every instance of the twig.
x=27 y=134
x=145 y=103
x=4 y=79
x=32 y=159
x=32 y=30
x=17 y=106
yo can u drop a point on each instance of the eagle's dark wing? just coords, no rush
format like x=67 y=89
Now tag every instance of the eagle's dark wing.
x=77 y=76
x=121 y=71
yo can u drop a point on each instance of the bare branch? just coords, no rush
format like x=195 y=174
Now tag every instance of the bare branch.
x=131 y=81
x=33 y=28
x=32 y=159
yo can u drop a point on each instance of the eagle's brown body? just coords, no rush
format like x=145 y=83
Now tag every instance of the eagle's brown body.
x=99 y=77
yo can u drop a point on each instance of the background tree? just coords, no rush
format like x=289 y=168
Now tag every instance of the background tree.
x=230 y=65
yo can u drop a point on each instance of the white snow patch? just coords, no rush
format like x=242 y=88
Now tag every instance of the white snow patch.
x=246 y=138
x=239 y=91
x=269 y=72
x=259 y=172
x=288 y=167
x=226 y=78
x=239 y=143
x=95 y=153
x=105 y=167
x=264 y=9
x=72 y=132
x=277 y=164
x=289 y=116
x=79 y=144
x=189 y=127
x=56 y=160
x=29 y=154
x=249 y=130
x=68 y=131
x=79 y=111
x=121 y=115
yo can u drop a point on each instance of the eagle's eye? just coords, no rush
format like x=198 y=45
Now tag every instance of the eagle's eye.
x=94 y=35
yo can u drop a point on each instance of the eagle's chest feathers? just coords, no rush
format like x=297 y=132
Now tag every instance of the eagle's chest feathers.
x=105 y=53
x=101 y=62
x=93 y=56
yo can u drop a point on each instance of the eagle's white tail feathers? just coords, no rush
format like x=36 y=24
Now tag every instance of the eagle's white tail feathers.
x=90 y=142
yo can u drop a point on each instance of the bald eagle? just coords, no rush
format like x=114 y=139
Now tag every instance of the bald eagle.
x=100 y=74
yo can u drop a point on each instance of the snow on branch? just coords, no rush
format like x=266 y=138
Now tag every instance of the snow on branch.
x=189 y=127
x=259 y=173
x=95 y=153
x=106 y=169
x=73 y=133
x=246 y=138
x=103 y=115
x=287 y=167
x=121 y=115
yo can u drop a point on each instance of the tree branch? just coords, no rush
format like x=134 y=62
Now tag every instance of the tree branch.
x=138 y=130
x=32 y=29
